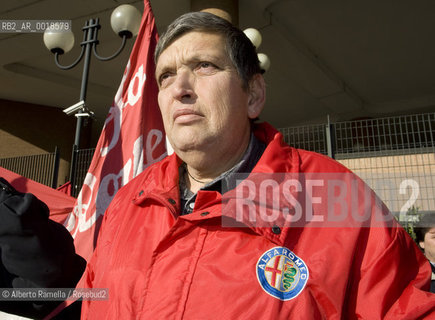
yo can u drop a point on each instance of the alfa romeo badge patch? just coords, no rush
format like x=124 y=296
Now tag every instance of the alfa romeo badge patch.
x=281 y=273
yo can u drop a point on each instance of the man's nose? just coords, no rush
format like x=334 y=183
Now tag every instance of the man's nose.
x=183 y=86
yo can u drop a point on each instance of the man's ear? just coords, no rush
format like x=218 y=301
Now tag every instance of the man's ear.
x=421 y=244
x=257 y=96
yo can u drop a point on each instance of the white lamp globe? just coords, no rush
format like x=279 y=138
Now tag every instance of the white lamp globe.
x=254 y=35
x=264 y=61
x=58 y=41
x=125 y=20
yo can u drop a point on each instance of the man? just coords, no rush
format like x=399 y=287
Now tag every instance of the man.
x=425 y=234
x=173 y=243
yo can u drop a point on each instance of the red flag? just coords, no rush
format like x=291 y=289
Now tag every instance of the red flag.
x=132 y=139
x=59 y=204
x=65 y=188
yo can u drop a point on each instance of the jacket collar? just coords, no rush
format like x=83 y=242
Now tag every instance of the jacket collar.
x=161 y=183
x=277 y=158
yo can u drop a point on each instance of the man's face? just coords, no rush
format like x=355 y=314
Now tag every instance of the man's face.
x=429 y=244
x=201 y=99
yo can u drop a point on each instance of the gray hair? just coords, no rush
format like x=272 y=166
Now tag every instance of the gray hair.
x=239 y=48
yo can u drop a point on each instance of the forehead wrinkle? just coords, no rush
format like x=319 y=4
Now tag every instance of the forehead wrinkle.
x=178 y=56
x=201 y=49
x=188 y=56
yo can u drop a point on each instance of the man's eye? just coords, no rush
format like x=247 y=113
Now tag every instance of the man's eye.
x=206 y=68
x=164 y=77
x=205 y=64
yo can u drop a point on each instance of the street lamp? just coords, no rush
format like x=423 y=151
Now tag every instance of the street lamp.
x=255 y=36
x=125 y=21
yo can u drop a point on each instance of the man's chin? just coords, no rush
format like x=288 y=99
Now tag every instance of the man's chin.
x=190 y=145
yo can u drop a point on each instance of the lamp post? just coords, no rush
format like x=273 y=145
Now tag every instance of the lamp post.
x=125 y=21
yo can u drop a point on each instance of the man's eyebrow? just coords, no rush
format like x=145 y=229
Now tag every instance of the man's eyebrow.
x=162 y=70
x=196 y=58
x=199 y=57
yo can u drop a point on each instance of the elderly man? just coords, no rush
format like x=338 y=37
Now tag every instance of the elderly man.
x=165 y=249
x=235 y=224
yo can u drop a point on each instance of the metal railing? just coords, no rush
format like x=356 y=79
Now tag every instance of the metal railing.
x=392 y=135
x=312 y=138
x=393 y=155
x=83 y=158
x=42 y=168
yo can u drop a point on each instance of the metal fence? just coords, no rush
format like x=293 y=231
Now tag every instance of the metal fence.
x=42 y=168
x=394 y=155
x=312 y=138
x=81 y=166
x=386 y=135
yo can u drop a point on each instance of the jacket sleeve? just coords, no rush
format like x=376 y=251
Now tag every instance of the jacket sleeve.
x=390 y=277
x=89 y=274
x=36 y=252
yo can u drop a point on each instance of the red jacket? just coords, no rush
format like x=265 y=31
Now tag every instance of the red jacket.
x=159 y=265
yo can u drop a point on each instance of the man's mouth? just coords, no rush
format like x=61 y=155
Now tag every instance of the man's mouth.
x=185 y=116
